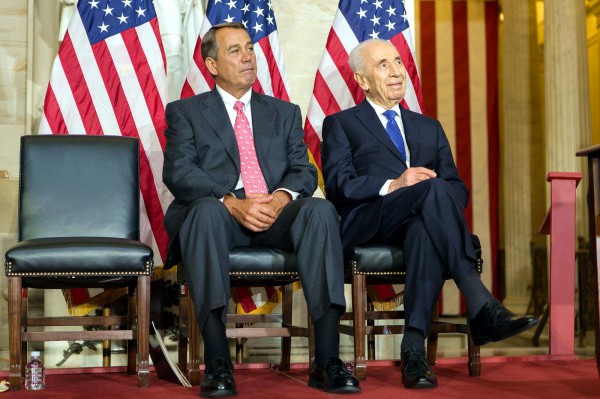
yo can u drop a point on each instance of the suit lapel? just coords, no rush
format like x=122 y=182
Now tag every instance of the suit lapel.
x=411 y=132
x=369 y=118
x=263 y=123
x=216 y=115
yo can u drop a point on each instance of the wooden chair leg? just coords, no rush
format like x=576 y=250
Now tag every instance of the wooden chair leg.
x=182 y=341
x=370 y=337
x=474 y=363
x=239 y=346
x=24 y=326
x=287 y=320
x=132 y=311
x=106 y=344
x=432 y=340
x=194 y=344
x=359 y=294
x=15 y=305
x=143 y=330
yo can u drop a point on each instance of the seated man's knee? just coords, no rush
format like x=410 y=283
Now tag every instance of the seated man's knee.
x=438 y=186
x=319 y=207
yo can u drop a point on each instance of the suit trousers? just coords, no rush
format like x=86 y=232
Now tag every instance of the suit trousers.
x=308 y=226
x=428 y=221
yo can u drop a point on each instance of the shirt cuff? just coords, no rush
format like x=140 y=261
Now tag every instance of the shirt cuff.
x=385 y=188
x=290 y=192
x=229 y=194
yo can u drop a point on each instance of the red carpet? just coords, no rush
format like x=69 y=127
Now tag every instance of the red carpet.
x=500 y=379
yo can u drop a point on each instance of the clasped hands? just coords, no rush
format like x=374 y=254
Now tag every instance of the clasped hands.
x=257 y=212
x=410 y=177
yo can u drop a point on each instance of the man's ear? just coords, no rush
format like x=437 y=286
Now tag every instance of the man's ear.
x=362 y=82
x=211 y=64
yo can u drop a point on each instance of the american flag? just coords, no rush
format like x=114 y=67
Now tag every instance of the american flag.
x=335 y=88
x=109 y=78
x=259 y=20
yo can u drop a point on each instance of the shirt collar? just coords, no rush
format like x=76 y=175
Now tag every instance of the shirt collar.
x=229 y=100
x=380 y=110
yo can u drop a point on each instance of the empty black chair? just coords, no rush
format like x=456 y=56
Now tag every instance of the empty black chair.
x=79 y=199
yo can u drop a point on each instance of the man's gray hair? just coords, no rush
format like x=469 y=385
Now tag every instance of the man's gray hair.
x=210 y=47
x=356 y=58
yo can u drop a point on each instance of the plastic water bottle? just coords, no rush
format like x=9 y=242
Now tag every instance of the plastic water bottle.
x=35 y=378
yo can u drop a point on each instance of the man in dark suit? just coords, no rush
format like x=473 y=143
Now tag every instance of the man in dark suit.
x=236 y=162
x=391 y=175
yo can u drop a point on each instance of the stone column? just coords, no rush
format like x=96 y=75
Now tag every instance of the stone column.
x=566 y=83
x=522 y=182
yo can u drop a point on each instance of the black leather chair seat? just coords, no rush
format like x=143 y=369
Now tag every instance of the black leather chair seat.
x=78 y=257
x=378 y=261
x=255 y=264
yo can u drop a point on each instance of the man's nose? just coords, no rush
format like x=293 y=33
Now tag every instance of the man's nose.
x=246 y=56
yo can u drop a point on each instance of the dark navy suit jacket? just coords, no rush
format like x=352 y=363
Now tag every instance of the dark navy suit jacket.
x=359 y=157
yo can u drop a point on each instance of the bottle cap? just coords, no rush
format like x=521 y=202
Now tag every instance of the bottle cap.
x=35 y=353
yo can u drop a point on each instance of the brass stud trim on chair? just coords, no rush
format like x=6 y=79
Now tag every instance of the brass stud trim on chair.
x=356 y=271
x=290 y=274
x=10 y=273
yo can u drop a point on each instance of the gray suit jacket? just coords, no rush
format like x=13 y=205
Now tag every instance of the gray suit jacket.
x=202 y=157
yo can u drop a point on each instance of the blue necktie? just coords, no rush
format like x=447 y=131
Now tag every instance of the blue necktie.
x=393 y=130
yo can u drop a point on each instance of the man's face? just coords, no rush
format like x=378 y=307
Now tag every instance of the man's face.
x=235 y=66
x=384 y=75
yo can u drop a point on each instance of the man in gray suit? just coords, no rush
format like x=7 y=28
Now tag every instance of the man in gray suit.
x=236 y=162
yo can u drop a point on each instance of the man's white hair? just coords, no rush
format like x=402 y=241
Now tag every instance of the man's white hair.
x=356 y=59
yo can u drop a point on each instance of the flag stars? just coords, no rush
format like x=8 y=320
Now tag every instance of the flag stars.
x=259 y=11
x=126 y=3
x=375 y=20
x=390 y=25
x=361 y=13
x=122 y=19
x=257 y=27
x=246 y=8
x=374 y=35
x=103 y=27
x=229 y=18
x=270 y=20
x=269 y=5
x=141 y=12
x=377 y=4
x=93 y=4
x=231 y=4
x=391 y=11
x=108 y=10
x=404 y=16
x=245 y=23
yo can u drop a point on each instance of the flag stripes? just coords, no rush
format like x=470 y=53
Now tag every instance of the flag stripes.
x=114 y=83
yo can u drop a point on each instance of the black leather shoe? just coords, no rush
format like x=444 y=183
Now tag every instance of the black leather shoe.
x=334 y=378
x=494 y=323
x=218 y=380
x=416 y=373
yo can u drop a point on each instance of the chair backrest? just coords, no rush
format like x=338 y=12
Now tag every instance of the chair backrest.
x=79 y=186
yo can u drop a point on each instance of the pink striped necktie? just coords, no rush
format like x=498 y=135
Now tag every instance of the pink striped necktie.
x=252 y=177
